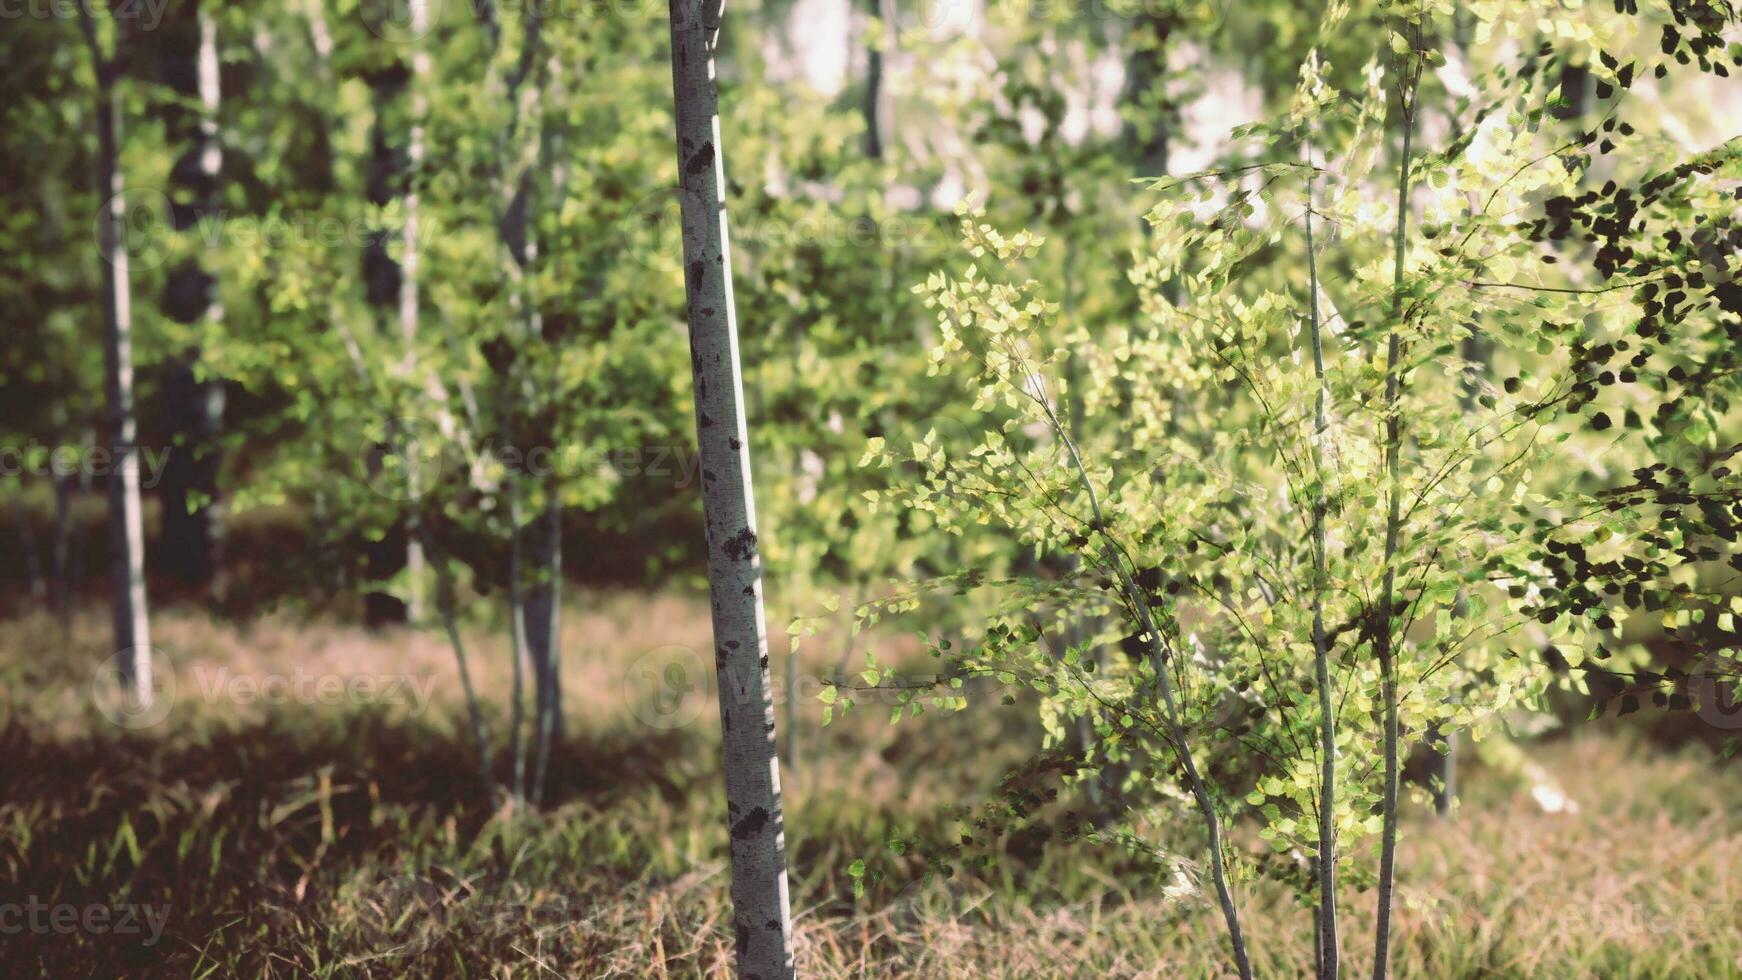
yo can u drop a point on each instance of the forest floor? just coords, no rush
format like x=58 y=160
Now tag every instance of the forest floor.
x=306 y=803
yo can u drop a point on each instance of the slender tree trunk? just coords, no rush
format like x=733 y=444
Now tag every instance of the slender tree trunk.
x=1383 y=639
x=330 y=571
x=537 y=542
x=544 y=537
x=447 y=610
x=1318 y=934
x=61 y=589
x=1575 y=87
x=757 y=824
x=132 y=631
x=1326 y=860
x=876 y=107
x=21 y=522
x=76 y=556
x=543 y=633
x=1443 y=770
x=412 y=258
x=1159 y=657
x=193 y=408
x=1160 y=652
x=517 y=648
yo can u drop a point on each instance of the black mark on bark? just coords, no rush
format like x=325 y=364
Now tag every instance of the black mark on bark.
x=741 y=545
x=751 y=825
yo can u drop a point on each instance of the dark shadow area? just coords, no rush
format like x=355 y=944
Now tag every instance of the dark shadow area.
x=234 y=834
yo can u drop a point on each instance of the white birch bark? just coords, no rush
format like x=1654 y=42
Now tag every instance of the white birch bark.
x=133 y=636
x=411 y=259
x=126 y=522
x=762 y=922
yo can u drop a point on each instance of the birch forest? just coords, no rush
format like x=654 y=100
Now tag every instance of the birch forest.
x=871 y=488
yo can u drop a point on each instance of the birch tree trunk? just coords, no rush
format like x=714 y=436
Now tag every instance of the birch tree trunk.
x=535 y=595
x=876 y=108
x=543 y=625
x=1385 y=639
x=517 y=647
x=1329 y=957
x=126 y=522
x=758 y=840
x=543 y=532
x=61 y=591
x=193 y=409
x=412 y=259
x=546 y=604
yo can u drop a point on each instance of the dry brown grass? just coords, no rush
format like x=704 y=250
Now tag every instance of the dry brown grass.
x=310 y=839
